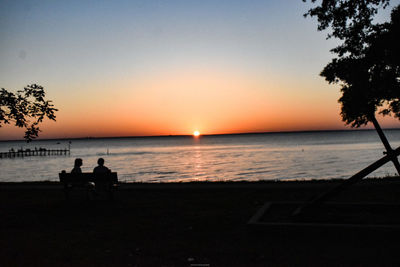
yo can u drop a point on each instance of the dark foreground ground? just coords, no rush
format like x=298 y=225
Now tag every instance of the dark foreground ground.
x=200 y=224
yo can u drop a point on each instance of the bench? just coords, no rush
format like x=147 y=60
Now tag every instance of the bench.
x=93 y=183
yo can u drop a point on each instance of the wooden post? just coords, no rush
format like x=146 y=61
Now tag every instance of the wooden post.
x=385 y=142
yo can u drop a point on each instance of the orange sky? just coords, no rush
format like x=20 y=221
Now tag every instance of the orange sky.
x=180 y=102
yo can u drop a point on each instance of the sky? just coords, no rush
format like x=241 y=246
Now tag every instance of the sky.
x=134 y=68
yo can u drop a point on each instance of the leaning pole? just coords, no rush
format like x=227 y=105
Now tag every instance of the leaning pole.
x=391 y=155
x=352 y=180
x=389 y=150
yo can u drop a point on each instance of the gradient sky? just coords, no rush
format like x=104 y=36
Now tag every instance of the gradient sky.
x=125 y=68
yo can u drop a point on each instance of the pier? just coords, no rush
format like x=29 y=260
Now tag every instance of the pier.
x=34 y=152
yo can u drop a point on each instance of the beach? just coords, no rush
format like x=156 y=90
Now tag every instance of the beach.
x=187 y=224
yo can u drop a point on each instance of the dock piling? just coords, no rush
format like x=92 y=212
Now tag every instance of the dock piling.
x=30 y=153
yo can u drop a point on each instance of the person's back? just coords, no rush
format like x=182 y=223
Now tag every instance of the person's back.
x=101 y=169
x=77 y=166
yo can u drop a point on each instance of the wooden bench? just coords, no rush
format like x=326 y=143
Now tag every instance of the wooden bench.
x=93 y=183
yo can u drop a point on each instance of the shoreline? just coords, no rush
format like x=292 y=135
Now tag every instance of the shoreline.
x=227 y=183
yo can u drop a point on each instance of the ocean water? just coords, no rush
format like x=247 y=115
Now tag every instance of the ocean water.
x=250 y=157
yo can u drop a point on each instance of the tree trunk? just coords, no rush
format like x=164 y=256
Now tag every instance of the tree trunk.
x=391 y=156
x=385 y=142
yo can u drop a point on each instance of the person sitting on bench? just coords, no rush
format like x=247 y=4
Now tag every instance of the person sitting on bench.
x=101 y=185
x=77 y=166
x=101 y=169
x=77 y=170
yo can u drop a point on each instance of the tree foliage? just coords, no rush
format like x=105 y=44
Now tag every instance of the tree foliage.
x=367 y=65
x=349 y=20
x=26 y=109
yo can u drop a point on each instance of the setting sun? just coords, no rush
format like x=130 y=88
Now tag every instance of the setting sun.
x=196 y=133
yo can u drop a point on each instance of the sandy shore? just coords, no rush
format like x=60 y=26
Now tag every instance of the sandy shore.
x=195 y=224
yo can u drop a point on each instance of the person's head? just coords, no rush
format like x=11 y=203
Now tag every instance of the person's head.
x=78 y=162
x=100 y=161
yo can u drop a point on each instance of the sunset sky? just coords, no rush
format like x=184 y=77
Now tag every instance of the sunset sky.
x=126 y=68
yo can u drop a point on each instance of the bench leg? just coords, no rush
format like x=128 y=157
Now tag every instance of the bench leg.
x=66 y=192
x=90 y=191
x=111 y=194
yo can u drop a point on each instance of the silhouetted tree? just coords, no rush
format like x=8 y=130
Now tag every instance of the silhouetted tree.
x=349 y=21
x=26 y=109
x=367 y=65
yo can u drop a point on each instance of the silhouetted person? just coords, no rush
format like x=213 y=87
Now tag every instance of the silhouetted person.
x=102 y=185
x=77 y=170
x=101 y=169
x=77 y=166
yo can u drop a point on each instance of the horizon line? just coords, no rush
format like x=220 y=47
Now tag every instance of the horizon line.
x=191 y=135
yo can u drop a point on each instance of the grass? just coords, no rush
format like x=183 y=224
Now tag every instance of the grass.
x=184 y=223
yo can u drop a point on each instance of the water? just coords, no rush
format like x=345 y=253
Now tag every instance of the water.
x=274 y=156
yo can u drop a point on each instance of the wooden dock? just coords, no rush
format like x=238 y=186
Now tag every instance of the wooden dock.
x=36 y=152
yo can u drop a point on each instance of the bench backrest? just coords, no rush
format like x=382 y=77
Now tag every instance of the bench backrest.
x=76 y=178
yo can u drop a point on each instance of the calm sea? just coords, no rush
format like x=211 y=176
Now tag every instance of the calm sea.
x=252 y=157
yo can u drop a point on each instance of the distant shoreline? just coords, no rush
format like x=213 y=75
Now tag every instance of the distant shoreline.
x=191 y=136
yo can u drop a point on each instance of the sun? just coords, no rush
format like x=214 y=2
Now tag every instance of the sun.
x=196 y=133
